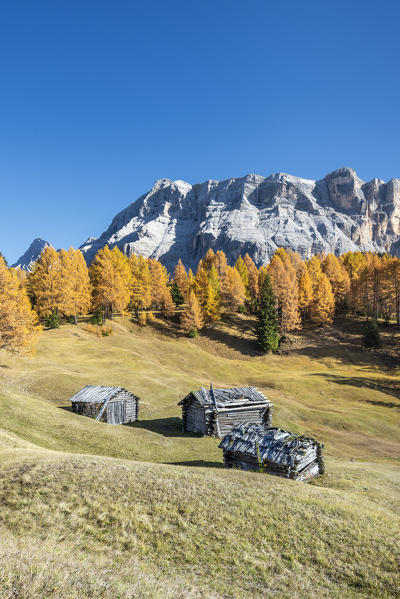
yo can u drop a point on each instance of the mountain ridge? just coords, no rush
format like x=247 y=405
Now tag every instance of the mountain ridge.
x=252 y=214
x=257 y=214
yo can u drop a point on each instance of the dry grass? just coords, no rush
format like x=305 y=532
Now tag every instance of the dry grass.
x=103 y=525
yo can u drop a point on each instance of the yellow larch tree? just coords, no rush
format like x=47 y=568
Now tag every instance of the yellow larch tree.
x=213 y=279
x=252 y=280
x=305 y=293
x=391 y=289
x=111 y=278
x=201 y=280
x=212 y=307
x=233 y=292
x=141 y=283
x=191 y=281
x=240 y=265
x=46 y=283
x=314 y=269
x=77 y=289
x=220 y=264
x=181 y=279
x=209 y=260
x=192 y=318
x=323 y=305
x=18 y=322
x=160 y=293
x=338 y=278
x=285 y=287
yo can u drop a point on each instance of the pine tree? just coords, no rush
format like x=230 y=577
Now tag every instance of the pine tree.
x=111 y=278
x=371 y=336
x=267 y=326
x=18 y=322
x=176 y=294
x=211 y=307
x=191 y=318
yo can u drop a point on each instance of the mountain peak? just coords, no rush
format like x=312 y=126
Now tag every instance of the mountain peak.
x=32 y=254
x=256 y=214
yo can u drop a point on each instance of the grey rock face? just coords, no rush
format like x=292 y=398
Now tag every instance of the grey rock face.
x=32 y=254
x=257 y=215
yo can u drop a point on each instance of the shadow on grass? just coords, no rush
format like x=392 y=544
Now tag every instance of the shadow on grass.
x=386 y=385
x=67 y=408
x=198 y=463
x=241 y=344
x=168 y=427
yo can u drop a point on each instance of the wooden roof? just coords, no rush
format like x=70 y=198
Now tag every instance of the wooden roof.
x=96 y=394
x=228 y=397
x=273 y=444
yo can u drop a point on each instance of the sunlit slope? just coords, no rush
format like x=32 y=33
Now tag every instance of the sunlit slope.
x=228 y=533
x=350 y=405
x=78 y=522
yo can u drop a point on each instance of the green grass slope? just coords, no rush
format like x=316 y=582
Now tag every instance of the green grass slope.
x=94 y=510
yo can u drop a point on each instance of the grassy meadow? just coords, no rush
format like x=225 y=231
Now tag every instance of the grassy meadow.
x=95 y=510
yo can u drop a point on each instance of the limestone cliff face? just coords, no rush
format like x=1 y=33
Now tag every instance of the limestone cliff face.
x=257 y=215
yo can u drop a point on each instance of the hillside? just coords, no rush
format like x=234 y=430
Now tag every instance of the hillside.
x=92 y=510
x=257 y=215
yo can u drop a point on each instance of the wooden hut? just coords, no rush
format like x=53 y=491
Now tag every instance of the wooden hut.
x=114 y=405
x=217 y=411
x=251 y=446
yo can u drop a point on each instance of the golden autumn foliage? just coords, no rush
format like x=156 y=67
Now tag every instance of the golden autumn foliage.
x=77 y=290
x=313 y=289
x=141 y=283
x=233 y=292
x=244 y=273
x=305 y=293
x=46 y=283
x=338 y=278
x=111 y=277
x=211 y=307
x=284 y=284
x=192 y=318
x=160 y=294
x=181 y=279
x=201 y=283
x=18 y=322
x=323 y=305
x=252 y=272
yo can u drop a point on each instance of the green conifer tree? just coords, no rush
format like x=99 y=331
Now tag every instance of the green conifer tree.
x=267 y=325
x=372 y=337
x=176 y=294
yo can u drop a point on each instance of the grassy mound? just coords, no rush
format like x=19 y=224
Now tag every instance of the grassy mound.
x=93 y=510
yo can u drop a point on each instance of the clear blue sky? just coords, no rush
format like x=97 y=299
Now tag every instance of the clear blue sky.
x=98 y=99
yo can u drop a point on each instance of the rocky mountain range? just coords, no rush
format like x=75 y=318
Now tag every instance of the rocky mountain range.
x=253 y=214
x=257 y=215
